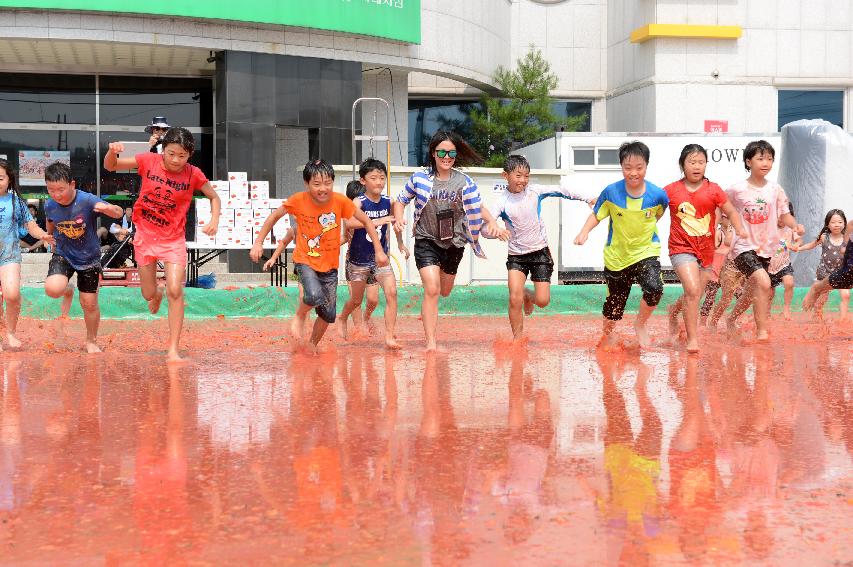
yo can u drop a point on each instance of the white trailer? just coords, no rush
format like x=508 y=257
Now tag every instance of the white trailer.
x=594 y=162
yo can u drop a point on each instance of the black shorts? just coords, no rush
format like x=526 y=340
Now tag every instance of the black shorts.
x=776 y=279
x=842 y=278
x=88 y=280
x=646 y=273
x=749 y=262
x=428 y=253
x=539 y=265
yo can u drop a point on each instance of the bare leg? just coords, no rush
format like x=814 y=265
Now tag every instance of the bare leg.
x=693 y=281
x=788 y=282
x=92 y=317
x=436 y=283
x=640 y=323
x=730 y=279
x=356 y=294
x=389 y=288
x=10 y=280
x=319 y=329
x=151 y=292
x=845 y=301
x=372 y=302
x=57 y=286
x=818 y=288
x=176 y=275
x=517 y=299
x=758 y=291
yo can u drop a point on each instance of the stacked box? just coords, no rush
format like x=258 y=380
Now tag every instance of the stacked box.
x=259 y=190
x=239 y=190
x=222 y=188
x=225 y=236
x=267 y=240
x=238 y=176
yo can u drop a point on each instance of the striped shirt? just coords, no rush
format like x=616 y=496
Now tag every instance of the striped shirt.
x=419 y=188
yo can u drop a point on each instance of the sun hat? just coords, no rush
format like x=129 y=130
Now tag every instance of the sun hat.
x=157 y=122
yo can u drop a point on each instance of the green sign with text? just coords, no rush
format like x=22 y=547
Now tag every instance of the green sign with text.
x=392 y=19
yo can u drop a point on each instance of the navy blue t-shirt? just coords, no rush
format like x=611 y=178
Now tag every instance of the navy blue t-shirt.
x=75 y=229
x=361 y=250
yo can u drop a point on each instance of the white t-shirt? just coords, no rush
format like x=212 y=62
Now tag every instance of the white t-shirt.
x=760 y=208
x=521 y=212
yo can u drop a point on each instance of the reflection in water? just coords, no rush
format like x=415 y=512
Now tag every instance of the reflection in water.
x=737 y=456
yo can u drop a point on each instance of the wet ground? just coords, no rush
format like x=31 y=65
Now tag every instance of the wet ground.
x=254 y=453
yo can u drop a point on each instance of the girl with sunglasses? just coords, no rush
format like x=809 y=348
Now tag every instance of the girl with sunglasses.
x=448 y=215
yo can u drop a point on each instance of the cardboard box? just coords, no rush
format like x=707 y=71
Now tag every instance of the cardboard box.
x=219 y=185
x=225 y=236
x=243 y=214
x=267 y=240
x=261 y=204
x=238 y=176
x=239 y=190
x=204 y=240
x=259 y=189
x=261 y=214
x=276 y=203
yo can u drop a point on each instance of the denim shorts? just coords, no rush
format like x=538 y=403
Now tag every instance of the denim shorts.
x=367 y=274
x=319 y=290
x=685 y=258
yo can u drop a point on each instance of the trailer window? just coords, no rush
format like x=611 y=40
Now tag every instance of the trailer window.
x=608 y=156
x=584 y=156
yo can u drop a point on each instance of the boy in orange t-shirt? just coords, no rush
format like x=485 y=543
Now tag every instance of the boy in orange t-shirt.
x=317 y=211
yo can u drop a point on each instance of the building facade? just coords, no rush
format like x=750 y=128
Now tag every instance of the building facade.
x=263 y=96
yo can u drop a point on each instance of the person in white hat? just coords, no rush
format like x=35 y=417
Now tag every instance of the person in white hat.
x=157 y=129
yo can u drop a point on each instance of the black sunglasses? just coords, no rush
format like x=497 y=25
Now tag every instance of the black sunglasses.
x=446 y=153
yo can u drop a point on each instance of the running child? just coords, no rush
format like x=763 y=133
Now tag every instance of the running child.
x=693 y=202
x=72 y=216
x=317 y=212
x=160 y=215
x=360 y=319
x=361 y=268
x=519 y=205
x=14 y=218
x=763 y=205
x=833 y=238
x=780 y=270
x=632 y=252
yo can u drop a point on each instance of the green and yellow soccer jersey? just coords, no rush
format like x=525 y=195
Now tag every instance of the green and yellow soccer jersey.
x=633 y=233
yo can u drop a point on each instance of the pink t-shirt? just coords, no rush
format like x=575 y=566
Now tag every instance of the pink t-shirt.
x=760 y=208
x=161 y=210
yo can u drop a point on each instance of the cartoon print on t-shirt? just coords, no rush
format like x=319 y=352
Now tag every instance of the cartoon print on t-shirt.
x=313 y=245
x=327 y=221
x=691 y=225
x=72 y=229
x=756 y=212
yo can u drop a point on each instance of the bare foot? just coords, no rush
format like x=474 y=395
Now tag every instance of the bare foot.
x=693 y=346
x=786 y=315
x=342 y=329
x=642 y=335
x=13 y=341
x=174 y=357
x=431 y=346
x=528 y=302
x=92 y=347
x=369 y=328
x=762 y=337
x=296 y=327
x=65 y=306
x=154 y=304
x=391 y=343
x=609 y=341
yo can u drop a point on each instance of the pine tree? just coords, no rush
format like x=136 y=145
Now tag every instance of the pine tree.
x=522 y=115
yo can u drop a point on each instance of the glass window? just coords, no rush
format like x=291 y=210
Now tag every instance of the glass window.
x=47 y=99
x=566 y=108
x=608 y=156
x=136 y=100
x=80 y=146
x=584 y=156
x=800 y=105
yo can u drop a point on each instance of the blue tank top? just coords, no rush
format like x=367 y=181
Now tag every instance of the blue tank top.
x=361 y=250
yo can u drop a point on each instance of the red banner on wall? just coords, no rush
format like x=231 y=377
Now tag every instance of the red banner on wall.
x=718 y=126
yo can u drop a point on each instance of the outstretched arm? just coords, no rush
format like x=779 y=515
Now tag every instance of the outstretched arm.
x=114 y=163
x=258 y=246
x=591 y=222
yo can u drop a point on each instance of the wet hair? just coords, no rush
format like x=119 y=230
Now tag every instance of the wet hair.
x=317 y=167
x=372 y=164
x=10 y=173
x=180 y=136
x=354 y=189
x=828 y=217
x=58 y=171
x=516 y=161
x=465 y=154
x=757 y=147
x=635 y=148
x=690 y=149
